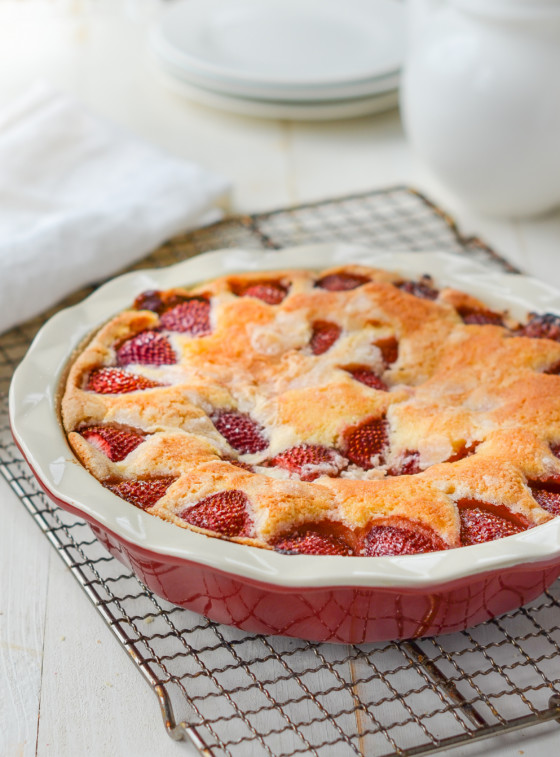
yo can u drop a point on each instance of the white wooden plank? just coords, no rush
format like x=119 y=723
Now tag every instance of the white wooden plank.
x=339 y=157
x=93 y=699
x=279 y=687
x=24 y=567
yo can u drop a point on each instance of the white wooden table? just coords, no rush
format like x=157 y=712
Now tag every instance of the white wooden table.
x=66 y=688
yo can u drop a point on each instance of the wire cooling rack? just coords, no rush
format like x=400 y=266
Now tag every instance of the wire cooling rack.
x=237 y=694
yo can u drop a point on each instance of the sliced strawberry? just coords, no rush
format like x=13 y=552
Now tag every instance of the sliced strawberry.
x=142 y=493
x=480 y=316
x=552 y=483
x=554 y=369
x=389 y=348
x=157 y=301
x=481 y=523
x=409 y=466
x=544 y=326
x=365 y=441
x=116 y=443
x=368 y=377
x=243 y=433
x=383 y=541
x=311 y=542
x=151 y=299
x=309 y=461
x=341 y=282
x=465 y=450
x=224 y=513
x=191 y=317
x=422 y=288
x=323 y=337
x=146 y=348
x=117 y=381
x=238 y=463
x=269 y=292
x=548 y=500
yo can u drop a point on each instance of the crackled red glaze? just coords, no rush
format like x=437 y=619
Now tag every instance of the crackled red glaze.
x=339 y=614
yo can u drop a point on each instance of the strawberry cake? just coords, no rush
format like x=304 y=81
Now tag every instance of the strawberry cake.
x=344 y=412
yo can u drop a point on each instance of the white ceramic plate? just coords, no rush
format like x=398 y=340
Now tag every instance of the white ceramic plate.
x=293 y=111
x=284 y=44
x=365 y=88
x=34 y=417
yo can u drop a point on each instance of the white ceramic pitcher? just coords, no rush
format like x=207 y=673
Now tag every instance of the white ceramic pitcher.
x=480 y=99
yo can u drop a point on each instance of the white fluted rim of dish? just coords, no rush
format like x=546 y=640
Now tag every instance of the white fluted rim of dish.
x=35 y=422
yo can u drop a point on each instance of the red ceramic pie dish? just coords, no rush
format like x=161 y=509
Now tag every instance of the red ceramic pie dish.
x=323 y=598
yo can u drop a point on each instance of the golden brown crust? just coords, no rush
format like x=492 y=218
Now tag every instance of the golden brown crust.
x=453 y=387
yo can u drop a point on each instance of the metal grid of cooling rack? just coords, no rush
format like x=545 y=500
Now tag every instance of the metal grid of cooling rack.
x=233 y=693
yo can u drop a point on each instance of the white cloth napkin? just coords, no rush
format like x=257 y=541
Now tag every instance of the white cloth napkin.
x=80 y=200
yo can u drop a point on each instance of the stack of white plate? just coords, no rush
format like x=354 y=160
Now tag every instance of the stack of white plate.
x=294 y=59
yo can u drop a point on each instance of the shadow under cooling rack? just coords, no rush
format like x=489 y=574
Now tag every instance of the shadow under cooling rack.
x=233 y=693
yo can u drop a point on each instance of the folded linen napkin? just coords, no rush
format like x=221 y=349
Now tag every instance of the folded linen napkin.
x=80 y=200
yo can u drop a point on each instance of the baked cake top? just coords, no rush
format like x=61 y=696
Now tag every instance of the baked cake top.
x=349 y=411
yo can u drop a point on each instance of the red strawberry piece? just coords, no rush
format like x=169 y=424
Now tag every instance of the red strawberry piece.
x=341 y=282
x=480 y=316
x=369 y=378
x=365 y=441
x=304 y=459
x=191 y=317
x=389 y=348
x=224 y=513
x=479 y=525
x=554 y=369
x=323 y=337
x=241 y=431
x=409 y=466
x=268 y=292
x=116 y=443
x=238 y=463
x=157 y=301
x=544 y=326
x=555 y=449
x=465 y=450
x=551 y=483
x=146 y=348
x=383 y=541
x=420 y=288
x=548 y=500
x=310 y=542
x=142 y=493
x=117 y=381
x=150 y=300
